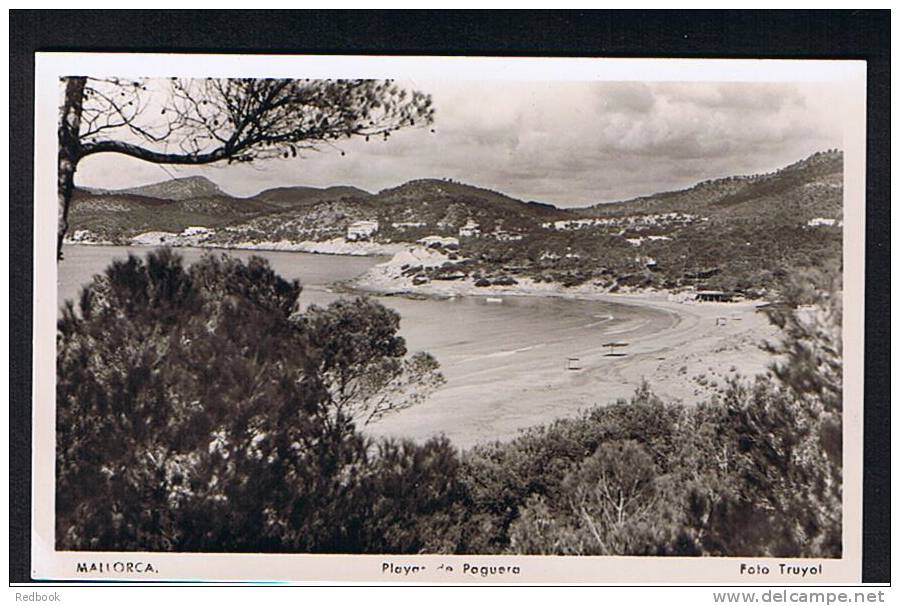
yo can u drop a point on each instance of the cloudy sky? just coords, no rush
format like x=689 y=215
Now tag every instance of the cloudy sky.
x=570 y=144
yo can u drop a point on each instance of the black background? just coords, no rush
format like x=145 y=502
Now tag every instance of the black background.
x=687 y=34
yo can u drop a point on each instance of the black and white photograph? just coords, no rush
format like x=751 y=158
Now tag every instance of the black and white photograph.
x=457 y=314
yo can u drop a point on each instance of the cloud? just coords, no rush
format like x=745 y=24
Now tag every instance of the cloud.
x=626 y=98
x=570 y=143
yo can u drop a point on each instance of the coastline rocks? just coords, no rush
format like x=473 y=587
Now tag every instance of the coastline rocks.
x=334 y=246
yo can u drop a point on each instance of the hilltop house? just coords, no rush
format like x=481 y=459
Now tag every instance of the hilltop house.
x=469 y=230
x=361 y=230
x=648 y=262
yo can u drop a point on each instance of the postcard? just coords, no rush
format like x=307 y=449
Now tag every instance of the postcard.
x=448 y=319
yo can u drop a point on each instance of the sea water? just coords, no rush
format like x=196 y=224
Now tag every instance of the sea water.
x=497 y=352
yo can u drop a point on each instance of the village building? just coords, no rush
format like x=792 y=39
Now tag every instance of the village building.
x=361 y=230
x=451 y=275
x=439 y=242
x=633 y=222
x=505 y=236
x=197 y=231
x=81 y=235
x=823 y=222
x=648 y=262
x=470 y=230
x=718 y=296
x=408 y=224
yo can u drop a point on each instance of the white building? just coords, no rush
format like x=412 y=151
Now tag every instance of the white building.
x=361 y=230
x=469 y=230
x=823 y=222
x=408 y=224
x=81 y=235
x=439 y=242
x=197 y=231
x=662 y=219
x=505 y=236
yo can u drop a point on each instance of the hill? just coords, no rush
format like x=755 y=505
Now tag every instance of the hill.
x=182 y=188
x=172 y=206
x=407 y=212
x=118 y=216
x=812 y=187
x=741 y=233
x=298 y=196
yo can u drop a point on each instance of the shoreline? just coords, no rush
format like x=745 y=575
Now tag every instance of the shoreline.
x=685 y=350
x=504 y=376
x=334 y=247
x=378 y=282
x=385 y=280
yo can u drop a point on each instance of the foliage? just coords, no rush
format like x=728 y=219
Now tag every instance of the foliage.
x=199 y=410
x=239 y=119
x=755 y=471
x=197 y=121
x=415 y=501
x=503 y=476
x=194 y=414
x=361 y=360
x=615 y=502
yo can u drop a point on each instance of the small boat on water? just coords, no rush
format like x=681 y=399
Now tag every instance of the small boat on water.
x=493 y=300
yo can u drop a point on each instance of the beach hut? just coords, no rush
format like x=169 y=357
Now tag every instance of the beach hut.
x=719 y=296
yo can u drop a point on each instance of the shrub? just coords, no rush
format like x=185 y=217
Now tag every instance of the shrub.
x=199 y=410
x=501 y=477
x=774 y=492
x=196 y=412
x=360 y=359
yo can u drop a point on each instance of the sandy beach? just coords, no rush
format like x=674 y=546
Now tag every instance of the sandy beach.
x=505 y=350
x=684 y=350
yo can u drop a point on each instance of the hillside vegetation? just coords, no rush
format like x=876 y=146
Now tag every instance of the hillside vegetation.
x=742 y=233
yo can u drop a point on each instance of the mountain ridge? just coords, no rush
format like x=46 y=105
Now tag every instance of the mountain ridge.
x=740 y=233
x=288 y=196
x=439 y=204
x=177 y=189
x=725 y=190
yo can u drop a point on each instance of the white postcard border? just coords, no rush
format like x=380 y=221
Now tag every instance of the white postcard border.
x=47 y=563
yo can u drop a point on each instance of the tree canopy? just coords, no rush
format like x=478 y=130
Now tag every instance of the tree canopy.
x=194 y=412
x=199 y=409
x=196 y=121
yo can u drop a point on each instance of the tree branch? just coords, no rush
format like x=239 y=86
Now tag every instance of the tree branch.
x=142 y=153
